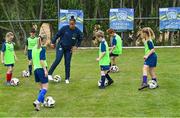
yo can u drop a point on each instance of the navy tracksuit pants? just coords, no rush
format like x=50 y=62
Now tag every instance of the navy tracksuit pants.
x=60 y=51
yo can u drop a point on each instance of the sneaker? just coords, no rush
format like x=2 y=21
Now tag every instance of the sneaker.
x=36 y=104
x=67 y=81
x=110 y=82
x=8 y=84
x=50 y=77
x=101 y=87
x=143 y=86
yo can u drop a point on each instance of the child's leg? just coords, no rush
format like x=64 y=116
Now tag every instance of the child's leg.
x=107 y=76
x=9 y=74
x=113 y=61
x=145 y=69
x=30 y=66
x=42 y=92
x=152 y=73
x=102 y=78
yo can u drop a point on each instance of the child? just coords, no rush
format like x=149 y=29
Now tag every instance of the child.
x=40 y=70
x=8 y=56
x=150 y=57
x=31 y=42
x=103 y=59
x=116 y=46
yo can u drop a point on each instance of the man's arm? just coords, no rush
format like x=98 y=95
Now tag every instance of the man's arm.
x=57 y=35
x=79 y=38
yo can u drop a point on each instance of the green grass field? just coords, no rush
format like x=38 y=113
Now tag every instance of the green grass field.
x=82 y=97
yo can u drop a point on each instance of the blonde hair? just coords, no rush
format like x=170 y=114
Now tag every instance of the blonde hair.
x=8 y=35
x=151 y=32
x=99 y=34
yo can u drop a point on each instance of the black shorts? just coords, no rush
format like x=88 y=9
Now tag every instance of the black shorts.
x=113 y=55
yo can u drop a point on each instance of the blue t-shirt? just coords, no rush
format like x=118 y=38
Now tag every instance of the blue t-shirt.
x=43 y=54
x=103 y=46
x=151 y=46
x=3 y=47
x=68 y=37
x=114 y=42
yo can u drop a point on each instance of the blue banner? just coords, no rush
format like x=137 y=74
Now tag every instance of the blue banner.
x=169 y=18
x=65 y=15
x=121 y=19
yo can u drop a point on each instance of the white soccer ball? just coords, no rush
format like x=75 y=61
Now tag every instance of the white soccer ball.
x=14 y=82
x=57 y=78
x=114 y=69
x=25 y=73
x=105 y=83
x=152 y=84
x=49 y=102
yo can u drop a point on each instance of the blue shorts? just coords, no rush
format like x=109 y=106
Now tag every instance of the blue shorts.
x=151 y=61
x=104 y=68
x=29 y=54
x=113 y=55
x=40 y=76
x=9 y=65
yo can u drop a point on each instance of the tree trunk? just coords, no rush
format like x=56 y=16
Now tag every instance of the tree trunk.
x=41 y=10
x=10 y=23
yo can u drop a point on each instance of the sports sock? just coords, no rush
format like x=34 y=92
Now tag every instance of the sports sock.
x=145 y=79
x=41 y=95
x=30 y=69
x=102 y=80
x=108 y=77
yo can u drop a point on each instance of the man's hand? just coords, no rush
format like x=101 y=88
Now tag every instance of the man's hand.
x=74 y=48
x=52 y=45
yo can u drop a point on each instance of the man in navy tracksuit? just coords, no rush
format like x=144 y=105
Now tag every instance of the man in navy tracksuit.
x=70 y=38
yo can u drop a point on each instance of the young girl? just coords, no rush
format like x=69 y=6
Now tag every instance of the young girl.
x=103 y=59
x=31 y=42
x=150 y=57
x=40 y=70
x=8 y=56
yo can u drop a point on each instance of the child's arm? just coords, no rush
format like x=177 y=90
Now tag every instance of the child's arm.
x=15 y=56
x=44 y=67
x=101 y=56
x=2 y=57
x=42 y=59
x=25 y=48
x=113 y=44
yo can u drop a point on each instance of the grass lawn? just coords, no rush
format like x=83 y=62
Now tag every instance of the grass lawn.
x=83 y=98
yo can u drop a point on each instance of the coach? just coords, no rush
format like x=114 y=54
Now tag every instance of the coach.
x=70 y=39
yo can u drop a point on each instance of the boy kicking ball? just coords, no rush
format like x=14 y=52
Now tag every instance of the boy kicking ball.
x=116 y=46
x=103 y=59
x=150 y=57
x=40 y=70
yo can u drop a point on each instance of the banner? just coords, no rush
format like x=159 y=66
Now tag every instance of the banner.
x=65 y=15
x=121 y=19
x=169 y=18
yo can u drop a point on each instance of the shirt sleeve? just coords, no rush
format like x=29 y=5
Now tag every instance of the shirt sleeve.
x=114 y=42
x=58 y=34
x=27 y=42
x=103 y=47
x=3 y=47
x=150 y=45
x=79 y=38
x=43 y=54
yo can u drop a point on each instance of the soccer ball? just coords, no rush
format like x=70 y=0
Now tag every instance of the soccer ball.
x=25 y=73
x=105 y=83
x=152 y=84
x=57 y=78
x=49 y=102
x=114 y=69
x=14 y=82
